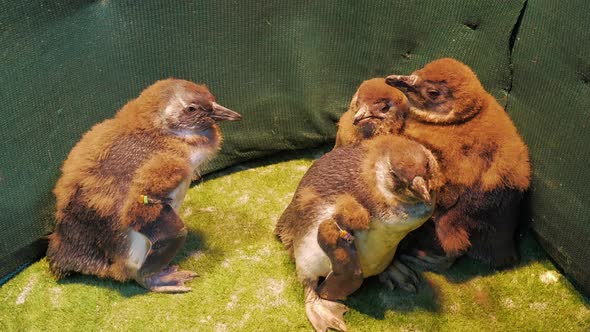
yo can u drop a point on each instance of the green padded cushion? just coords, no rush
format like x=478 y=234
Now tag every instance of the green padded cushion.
x=550 y=103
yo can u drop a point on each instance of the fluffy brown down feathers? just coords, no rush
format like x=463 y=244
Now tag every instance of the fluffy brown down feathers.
x=82 y=169
x=479 y=146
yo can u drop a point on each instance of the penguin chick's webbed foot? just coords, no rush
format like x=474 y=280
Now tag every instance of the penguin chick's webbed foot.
x=169 y=280
x=323 y=314
x=153 y=247
x=149 y=263
x=399 y=275
x=428 y=261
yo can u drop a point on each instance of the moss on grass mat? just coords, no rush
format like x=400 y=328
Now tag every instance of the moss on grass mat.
x=247 y=281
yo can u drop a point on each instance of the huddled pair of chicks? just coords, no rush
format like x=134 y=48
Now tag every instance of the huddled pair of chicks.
x=432 y=146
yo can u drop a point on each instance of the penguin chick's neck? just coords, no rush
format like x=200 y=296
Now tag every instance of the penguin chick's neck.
x=210 y=137
x=203 y=144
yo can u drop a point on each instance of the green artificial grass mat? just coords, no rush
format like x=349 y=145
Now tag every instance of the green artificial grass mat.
x=247 y=280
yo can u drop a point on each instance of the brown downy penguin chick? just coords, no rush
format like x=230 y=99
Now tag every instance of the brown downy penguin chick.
x=482 y=157
x=376 y=109
x=350 y=211
x=123 y=183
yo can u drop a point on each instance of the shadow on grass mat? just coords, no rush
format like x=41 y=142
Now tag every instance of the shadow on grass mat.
x=247 y=281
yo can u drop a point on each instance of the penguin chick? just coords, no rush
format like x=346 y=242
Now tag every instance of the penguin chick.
x=348 y=214
x=482 y=157
x=124 y=181
x=376 y=109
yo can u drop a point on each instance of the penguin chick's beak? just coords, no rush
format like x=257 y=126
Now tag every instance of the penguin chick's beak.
x=420 y=189
x=362 y=113
x=403 y=82
x=221 y=113
x=365 y=112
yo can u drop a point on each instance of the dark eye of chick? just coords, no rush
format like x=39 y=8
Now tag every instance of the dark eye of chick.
x=383 y=104
x=190 y=108
x=433 y=93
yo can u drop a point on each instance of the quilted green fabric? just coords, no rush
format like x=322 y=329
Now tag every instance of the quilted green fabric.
x=550 y=102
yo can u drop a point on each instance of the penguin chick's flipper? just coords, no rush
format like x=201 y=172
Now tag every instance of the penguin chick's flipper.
x=335 y=237
x=346 y=275
x=323 y=314
x=158 y=225
x=163 y=239
x=399 y=275
x=156 y=184
x=481 y=224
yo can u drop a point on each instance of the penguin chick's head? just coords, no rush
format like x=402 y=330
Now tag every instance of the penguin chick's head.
x=444 y=91
x=378 y=107
x=180 y=106
x=404 y=169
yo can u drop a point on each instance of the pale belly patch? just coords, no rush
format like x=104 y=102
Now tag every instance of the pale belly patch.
x=377 y=245
x=197 y=157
